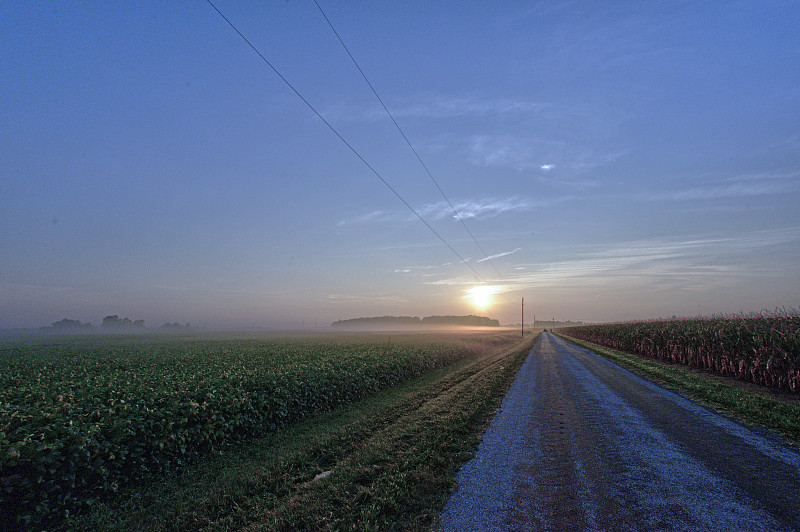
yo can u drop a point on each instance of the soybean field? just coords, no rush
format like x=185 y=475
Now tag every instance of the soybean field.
x=81 y=417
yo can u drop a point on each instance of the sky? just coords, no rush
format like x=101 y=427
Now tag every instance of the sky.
x=604 y=160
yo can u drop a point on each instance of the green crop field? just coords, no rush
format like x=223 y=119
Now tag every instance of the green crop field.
x=81 y=417
x=761 y=348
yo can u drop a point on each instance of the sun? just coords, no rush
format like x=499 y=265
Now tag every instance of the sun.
x=481 y=296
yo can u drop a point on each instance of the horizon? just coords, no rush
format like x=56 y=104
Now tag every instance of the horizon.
x=143 y=327
x=609 y=162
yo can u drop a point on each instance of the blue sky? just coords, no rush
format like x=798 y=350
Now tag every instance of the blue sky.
x=615 y=160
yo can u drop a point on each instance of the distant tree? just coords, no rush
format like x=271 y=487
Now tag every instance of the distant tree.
x=472 y=321
x=378 y=321
x=67 y=325
x=112 y=322
x=396 y=321
x=116 y=323
x=176 y=326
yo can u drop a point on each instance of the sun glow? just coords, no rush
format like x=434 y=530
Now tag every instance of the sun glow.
x=481 y=296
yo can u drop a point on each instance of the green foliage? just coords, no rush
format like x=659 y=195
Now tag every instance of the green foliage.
x=81 y=418
x=392 y=458
x=761 y=348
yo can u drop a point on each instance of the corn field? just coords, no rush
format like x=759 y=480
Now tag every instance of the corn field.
x=763 y=348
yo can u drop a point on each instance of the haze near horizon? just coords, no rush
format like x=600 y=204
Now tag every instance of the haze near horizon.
x=613 y=161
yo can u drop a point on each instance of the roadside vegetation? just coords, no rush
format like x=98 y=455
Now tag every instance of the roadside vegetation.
x=750 y=404
x=92 y=428
x=760 y=348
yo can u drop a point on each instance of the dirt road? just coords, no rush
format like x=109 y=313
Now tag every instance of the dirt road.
x=582 y=444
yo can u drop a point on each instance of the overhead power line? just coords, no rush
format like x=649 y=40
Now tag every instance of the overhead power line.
x=346 y=143
x=375 y=92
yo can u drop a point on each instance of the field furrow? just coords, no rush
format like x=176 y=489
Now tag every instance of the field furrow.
x=84 y=418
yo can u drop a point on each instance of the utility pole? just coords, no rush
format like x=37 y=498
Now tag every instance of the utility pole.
x=523 y=318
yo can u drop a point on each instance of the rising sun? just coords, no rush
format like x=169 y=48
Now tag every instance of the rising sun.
x=481 y=296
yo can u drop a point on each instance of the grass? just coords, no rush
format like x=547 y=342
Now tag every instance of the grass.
x=749 y=407
x=390 y=462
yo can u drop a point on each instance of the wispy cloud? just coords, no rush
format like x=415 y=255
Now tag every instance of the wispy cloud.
x=370 y=217
x=761 y=184
x=34 y=289
x=479 y=208
x=437 y=106
x=695 y=264
x=450 y=106
x=366 y=298
x=482 y=208
x=425 y=270
x=533 y=153
x=498 y=255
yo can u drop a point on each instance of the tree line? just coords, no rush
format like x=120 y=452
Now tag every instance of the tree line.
x=400 y=321
x=110 y=323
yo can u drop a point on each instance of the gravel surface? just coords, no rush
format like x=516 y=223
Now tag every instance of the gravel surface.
x=582 y=444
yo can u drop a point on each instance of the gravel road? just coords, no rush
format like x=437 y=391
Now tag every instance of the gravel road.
x=582 y=444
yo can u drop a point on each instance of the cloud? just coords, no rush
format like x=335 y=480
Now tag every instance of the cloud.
x=366 y=298
x=437 y=106
x=38 y=288
x=429 y=272
x=449 y=106
x=428 y=267
x=698 y=264
x=482 y=208
x=529 y=153
x=370 y=217
x=498 y=255
x=761 y=184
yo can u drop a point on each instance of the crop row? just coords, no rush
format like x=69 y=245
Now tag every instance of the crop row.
x=761 y=348
x=82 y=418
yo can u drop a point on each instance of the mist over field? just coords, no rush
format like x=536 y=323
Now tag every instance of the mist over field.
x=604 y=161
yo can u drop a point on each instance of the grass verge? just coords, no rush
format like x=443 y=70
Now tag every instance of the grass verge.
x=746 y=406
x=388 y=462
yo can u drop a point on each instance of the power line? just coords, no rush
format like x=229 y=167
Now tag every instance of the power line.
x=346 y=143
x=375 y=92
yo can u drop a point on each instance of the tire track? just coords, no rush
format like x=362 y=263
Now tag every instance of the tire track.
x=582 y=444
